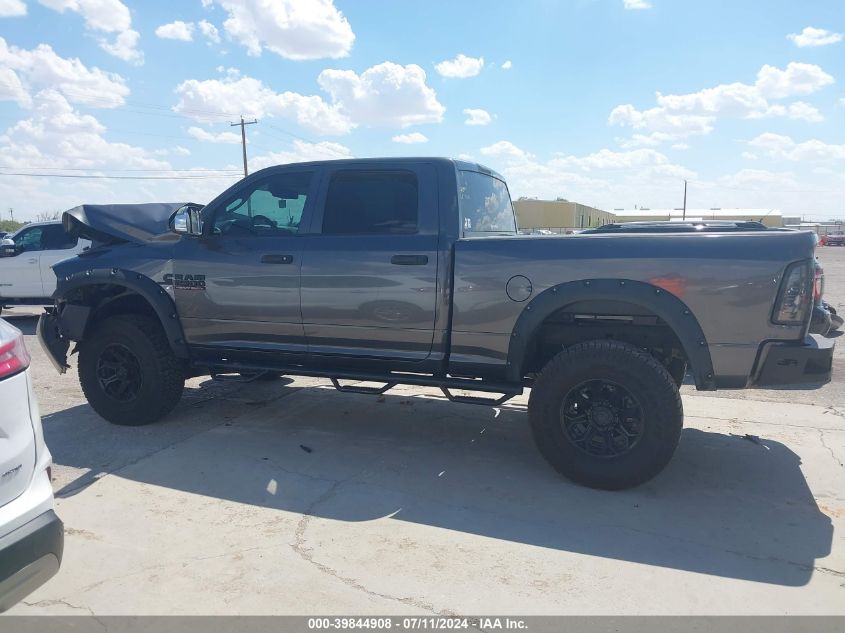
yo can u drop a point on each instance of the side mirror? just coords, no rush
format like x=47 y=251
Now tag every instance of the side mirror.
x=187 y=221
x=7 y=248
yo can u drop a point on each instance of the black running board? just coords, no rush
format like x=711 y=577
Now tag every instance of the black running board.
x=388 y=381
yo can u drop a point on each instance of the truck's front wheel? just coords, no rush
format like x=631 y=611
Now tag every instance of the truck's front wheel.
x=128 y=372
x=606 y=414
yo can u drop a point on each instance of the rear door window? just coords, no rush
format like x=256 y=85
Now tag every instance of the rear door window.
x=371 y=202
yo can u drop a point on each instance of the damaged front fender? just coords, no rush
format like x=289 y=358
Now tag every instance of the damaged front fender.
x=52 y=341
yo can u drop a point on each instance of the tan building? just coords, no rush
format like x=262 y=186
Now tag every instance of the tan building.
x=769 y=217
x=556 y=215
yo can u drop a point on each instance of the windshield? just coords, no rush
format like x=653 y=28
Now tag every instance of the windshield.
x=485 y=205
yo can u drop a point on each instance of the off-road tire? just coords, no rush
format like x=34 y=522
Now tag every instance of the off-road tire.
x=638 y=372
x=162 y=374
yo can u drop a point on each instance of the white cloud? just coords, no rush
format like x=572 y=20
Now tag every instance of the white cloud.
x=23 y=70
x=783 y=147
x=477 y=116
x=56 y=135
x=213 y=99
x=177 y=151
x=125 y=46
x=12 y=8
x=796 y=80
x=814 y=37
x=605 y=178
x=750 y=155
x=504 y=149
x=210 y=31
x=209 y=137
x=410 y=139
x=300 y=152
x=637 y=4
x=386 y=95
x=679 y=116
x=176 y=30
x=292 y=29
x=461 y=67
x=107 y=16
x=507 y=65
x=100 y=15
x=798 y=110
x=680 y=146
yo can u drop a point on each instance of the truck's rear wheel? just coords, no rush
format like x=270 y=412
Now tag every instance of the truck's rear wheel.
x=606 y=414
x=128 y=372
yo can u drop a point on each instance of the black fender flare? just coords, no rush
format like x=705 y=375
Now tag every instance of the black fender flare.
x=668 y=307
x=148 y=289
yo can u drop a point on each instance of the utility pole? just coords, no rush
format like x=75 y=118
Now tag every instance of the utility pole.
x=685 y=199
x=11 y=214
x=243 y=125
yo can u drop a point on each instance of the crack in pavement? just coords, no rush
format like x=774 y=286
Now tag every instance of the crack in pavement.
x=62 y=601
x=299 y=546
x=829 y=449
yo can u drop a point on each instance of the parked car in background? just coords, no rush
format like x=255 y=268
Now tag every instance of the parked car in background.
x=835 y=240
x=31 y=535
x=26 y=259
x=690 y=226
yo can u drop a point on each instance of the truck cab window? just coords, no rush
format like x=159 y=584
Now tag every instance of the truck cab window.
x=372 y=202
x=485 y=205
x=271 y=206
x=54 y=238
x=28 y=240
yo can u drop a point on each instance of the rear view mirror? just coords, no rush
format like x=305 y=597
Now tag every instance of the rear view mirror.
x=187 y=221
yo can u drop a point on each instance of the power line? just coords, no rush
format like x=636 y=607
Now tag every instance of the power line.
x=90 y=176
x=225 y=172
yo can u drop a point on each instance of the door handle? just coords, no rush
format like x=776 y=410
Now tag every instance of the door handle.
x=409 y=260
x=277 y=259
x=31 y=261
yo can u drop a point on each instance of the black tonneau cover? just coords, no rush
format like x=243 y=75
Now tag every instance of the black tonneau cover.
x=119 y=222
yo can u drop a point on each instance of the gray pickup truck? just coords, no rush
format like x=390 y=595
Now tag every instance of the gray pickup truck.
x=411 y=271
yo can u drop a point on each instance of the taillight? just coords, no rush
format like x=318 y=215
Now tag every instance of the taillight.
x=13 y=355
x=795 y=296
x=818 y=283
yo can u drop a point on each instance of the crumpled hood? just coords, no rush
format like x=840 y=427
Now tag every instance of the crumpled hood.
x=108 y=223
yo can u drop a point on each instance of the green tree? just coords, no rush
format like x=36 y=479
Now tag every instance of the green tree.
x=10 y=226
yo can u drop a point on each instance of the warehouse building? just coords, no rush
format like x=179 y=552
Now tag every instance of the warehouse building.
x=555 y=215
x=560 y=216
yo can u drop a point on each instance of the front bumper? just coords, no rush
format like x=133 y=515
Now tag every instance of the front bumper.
x=29 y=557
x=787 y=363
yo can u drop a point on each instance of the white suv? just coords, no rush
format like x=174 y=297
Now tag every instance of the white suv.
x=31 y=535
x=26 y=259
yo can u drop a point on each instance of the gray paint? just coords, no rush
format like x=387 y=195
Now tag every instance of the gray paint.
x=340 y=299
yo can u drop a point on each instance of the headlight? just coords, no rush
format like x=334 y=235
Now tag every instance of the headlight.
x=795 y=297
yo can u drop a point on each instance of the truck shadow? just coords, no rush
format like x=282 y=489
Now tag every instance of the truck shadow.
x=725 y=506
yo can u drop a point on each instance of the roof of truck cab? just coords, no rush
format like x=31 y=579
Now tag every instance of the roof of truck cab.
x=394 y=160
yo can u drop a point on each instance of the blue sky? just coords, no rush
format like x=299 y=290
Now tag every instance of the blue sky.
x=607 y=102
